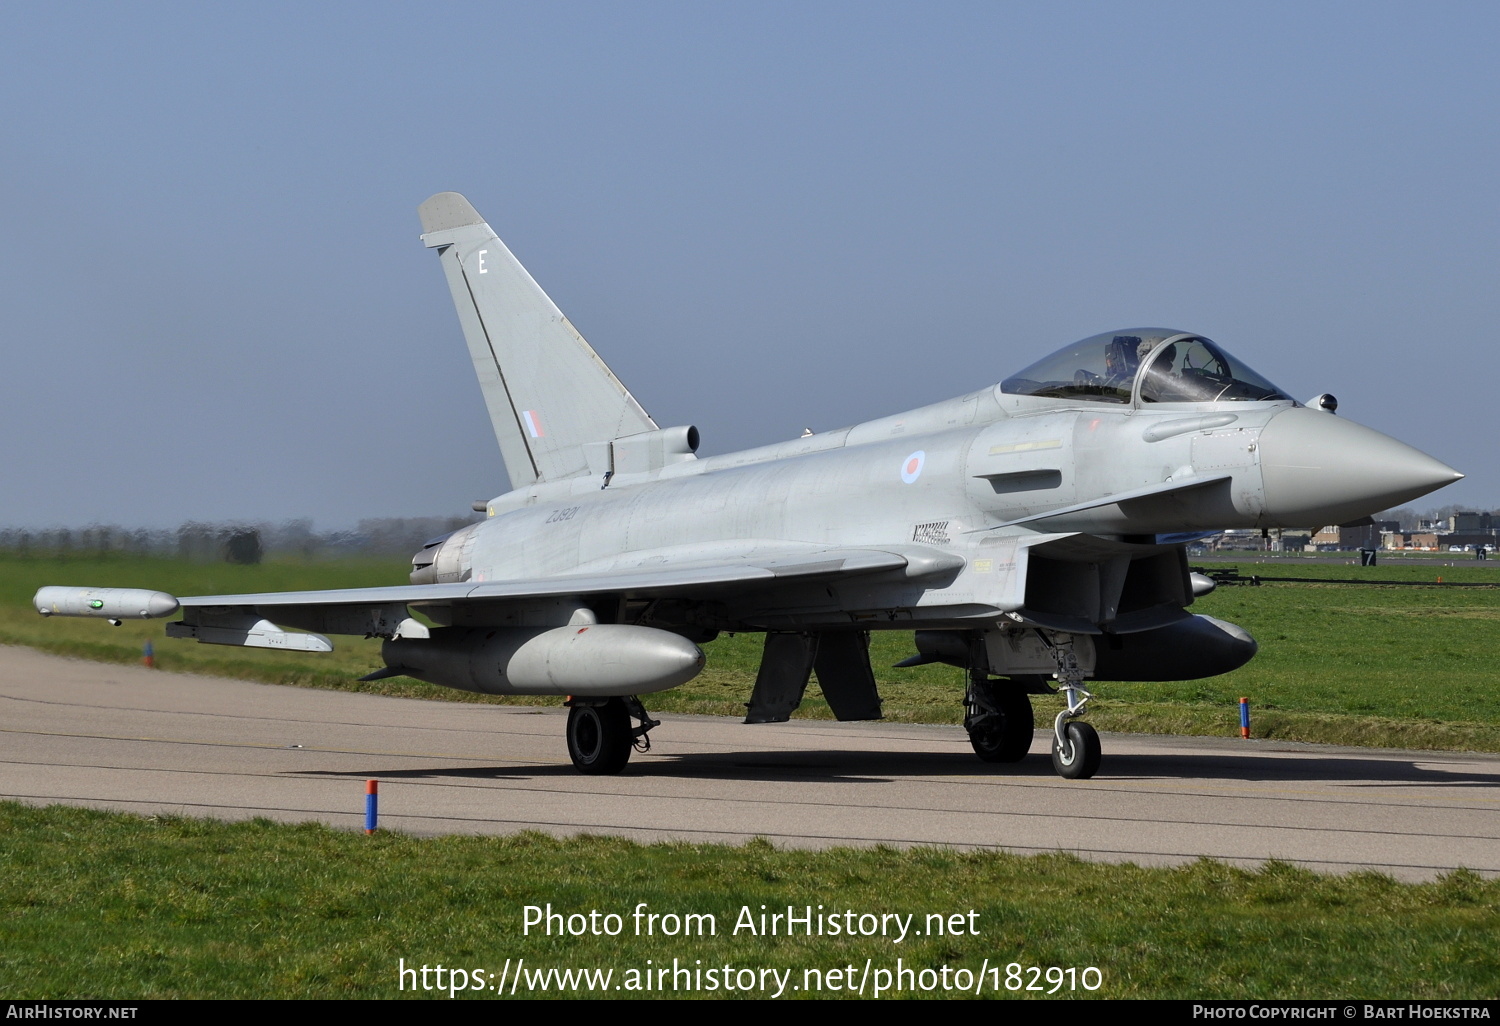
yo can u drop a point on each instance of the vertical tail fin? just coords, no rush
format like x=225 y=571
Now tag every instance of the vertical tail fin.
x=547 y=391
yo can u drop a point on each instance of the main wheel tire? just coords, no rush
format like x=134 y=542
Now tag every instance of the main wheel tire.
x=1006 y=736
x=599 y=740
x=1078 y=758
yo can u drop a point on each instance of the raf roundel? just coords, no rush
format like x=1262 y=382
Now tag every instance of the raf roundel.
x=912 y=468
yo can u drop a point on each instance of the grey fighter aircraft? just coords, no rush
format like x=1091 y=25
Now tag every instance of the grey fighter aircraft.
x=1033 y=532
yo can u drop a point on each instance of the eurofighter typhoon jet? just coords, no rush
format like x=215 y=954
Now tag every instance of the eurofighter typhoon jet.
x=1033 y=533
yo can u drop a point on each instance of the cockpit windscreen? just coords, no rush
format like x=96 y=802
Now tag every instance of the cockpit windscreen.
x=1180 y=368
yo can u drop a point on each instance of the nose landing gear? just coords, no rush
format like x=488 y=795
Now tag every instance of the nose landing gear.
x=1076 y=752
x=1075 y=745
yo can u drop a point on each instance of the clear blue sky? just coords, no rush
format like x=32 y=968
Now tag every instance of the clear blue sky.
x=764 y=216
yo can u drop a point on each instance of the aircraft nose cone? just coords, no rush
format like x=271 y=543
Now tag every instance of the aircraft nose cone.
x=1319 y=469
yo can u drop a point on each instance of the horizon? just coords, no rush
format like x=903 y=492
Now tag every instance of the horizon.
x=763 y=218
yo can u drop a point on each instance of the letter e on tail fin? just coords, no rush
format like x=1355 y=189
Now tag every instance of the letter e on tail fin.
x=547 y=391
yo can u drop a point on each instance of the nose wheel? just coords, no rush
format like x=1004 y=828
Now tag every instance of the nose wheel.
x=1076 y=754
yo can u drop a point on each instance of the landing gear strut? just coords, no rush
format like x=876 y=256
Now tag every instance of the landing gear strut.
x=600 y=735
x=997 y=715
x=1075 y=746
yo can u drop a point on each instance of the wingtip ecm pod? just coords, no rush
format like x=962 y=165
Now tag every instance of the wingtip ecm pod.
x=113 y=604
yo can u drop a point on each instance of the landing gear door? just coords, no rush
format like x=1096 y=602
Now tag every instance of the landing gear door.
x=1025 y=653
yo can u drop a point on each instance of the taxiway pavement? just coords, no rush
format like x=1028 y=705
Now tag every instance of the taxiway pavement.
x=143 y=741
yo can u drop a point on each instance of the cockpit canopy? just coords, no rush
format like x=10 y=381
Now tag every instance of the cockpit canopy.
x=1158 y=365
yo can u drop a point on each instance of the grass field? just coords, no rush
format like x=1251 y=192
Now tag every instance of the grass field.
x=103 y=905
x=1378 y=665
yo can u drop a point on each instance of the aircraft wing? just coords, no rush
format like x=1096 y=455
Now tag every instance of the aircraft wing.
x=252 y=619
x=670 y=578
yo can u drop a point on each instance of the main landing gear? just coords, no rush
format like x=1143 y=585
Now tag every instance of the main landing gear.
x=600 y=734
x=997 y=715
